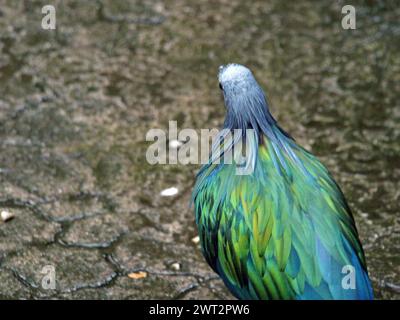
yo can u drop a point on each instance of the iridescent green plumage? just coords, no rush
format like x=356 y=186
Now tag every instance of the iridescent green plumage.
x=284 y=231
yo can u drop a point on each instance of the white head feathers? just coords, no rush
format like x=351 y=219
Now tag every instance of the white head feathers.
x=233 y=72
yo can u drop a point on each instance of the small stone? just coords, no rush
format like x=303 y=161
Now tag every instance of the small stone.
x=175 y=144
x=7 y=215
x=176 y=266
x=169 y=192
x=196 y=240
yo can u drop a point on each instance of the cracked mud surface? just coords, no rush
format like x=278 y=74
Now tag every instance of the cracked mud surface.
x=75 y=105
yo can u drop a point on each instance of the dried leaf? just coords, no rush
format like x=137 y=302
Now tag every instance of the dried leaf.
x=137 y=275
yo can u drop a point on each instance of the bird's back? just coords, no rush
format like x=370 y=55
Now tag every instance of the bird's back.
x=284 y=231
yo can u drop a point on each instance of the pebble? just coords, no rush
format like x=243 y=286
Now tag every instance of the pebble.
x=175 y=144
x=169 y=192
x=196 y=240
x=6 y=215
x=176 y=266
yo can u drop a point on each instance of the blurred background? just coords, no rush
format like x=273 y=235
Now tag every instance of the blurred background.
x=76 y=103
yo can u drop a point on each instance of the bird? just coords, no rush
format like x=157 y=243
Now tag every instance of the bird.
x=283 y=230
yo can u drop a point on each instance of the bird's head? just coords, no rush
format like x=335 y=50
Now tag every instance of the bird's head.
x=244 y=99
x=235 y=79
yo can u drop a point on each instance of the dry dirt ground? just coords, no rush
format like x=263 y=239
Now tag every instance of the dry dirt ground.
x=76 y=103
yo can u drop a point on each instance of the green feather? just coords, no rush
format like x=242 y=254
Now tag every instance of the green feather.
x=259 y=231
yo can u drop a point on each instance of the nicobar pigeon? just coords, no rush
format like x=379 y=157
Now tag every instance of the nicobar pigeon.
x=284 y=230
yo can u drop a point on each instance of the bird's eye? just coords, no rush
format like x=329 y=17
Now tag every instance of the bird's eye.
x=220 y=86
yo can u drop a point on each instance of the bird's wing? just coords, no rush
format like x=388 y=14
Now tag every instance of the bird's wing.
x=280 y=234
x=320 y=204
